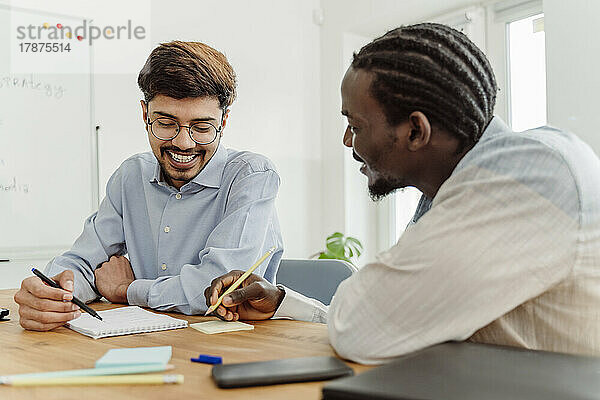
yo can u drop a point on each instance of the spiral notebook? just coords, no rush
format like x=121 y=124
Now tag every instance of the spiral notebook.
x=124 y=321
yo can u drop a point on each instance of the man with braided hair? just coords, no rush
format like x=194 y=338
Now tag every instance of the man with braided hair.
x=504 y=247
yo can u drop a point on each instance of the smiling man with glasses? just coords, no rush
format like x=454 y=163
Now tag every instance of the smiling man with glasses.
x=184 y=214
x=174 y=149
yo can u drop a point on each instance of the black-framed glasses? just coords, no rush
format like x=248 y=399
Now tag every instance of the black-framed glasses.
x=202 y=132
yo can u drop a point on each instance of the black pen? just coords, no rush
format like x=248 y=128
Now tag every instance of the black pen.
x=75 y=300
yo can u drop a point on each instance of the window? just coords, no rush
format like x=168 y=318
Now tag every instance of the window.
x=406 y=201
x=527 y=72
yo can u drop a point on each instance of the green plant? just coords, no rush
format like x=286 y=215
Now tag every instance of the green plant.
x=341 y=247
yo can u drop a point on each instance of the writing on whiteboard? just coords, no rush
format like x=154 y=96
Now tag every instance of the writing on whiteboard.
x=29 y=82
x=14 y=186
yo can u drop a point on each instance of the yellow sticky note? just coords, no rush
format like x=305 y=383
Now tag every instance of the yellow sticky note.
x=211 y=327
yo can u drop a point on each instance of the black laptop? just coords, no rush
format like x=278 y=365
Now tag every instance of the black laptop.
x=466 y=371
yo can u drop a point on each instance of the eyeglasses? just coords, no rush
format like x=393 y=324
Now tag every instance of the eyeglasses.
x=202 y=132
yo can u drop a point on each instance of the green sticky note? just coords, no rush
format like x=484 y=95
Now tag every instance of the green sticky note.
x=135 y=356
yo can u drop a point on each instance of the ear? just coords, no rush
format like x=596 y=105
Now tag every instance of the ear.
x=144 y=113
x=419 y=131
x=224 y=122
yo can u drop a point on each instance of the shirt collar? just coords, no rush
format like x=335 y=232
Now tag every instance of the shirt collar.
x=495 y=126
x=156 y=177
x=210 y=176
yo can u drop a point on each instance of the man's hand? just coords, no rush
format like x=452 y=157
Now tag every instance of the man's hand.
x=113 y=278
x=42 y=307
x=256 y=299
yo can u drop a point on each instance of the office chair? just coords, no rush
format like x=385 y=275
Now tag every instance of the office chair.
x=318 y=279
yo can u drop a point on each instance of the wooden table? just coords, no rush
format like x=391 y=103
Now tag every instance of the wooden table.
x=24 y=351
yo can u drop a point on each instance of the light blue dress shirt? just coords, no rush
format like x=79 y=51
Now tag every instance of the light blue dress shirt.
x=178 y=241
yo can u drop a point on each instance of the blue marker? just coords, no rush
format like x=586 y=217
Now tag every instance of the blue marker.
x=206 y=359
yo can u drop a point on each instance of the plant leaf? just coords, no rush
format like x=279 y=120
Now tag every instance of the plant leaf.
x=335 y=246
x=341 y=247
x=355 y=241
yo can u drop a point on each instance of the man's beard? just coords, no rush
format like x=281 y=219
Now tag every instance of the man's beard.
x=382 y=187
x=171 y=173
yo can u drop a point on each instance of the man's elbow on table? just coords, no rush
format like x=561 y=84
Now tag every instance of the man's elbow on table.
x=353 y=342
x=356 y=336
x=351 y=332
x=359 y=333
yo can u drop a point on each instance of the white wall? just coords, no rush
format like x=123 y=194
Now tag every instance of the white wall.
x=273 y=46
x=572 y=61
x=13 y=272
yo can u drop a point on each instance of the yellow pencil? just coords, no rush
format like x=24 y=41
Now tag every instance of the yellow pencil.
x=239 y=281
x=149 y=379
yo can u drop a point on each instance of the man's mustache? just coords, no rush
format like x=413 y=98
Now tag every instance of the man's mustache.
x=182 y=152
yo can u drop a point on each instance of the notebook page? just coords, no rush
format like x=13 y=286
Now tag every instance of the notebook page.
x=124 y=321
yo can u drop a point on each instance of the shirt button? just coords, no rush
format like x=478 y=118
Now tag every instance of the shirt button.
x=167 y=229
x=163 y=267
x=178 y=196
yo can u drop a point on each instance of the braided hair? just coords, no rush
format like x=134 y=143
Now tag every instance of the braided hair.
x=434 y=69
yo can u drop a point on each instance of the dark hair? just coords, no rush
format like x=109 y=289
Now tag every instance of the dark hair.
x=434 y=69
x=188 y=69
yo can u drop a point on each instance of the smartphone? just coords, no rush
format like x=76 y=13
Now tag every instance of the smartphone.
x=273 y=372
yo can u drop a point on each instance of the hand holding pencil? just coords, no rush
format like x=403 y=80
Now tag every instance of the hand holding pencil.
x=255 y=299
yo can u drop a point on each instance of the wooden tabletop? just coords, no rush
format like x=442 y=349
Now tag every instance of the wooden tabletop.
x=24 y=351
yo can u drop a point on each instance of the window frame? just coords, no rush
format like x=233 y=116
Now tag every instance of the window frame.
x=499 y=16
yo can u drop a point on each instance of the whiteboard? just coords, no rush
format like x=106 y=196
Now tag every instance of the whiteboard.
x=48 y=158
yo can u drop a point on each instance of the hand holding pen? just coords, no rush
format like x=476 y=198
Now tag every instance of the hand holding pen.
x=42 y=307
x=74 y=299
